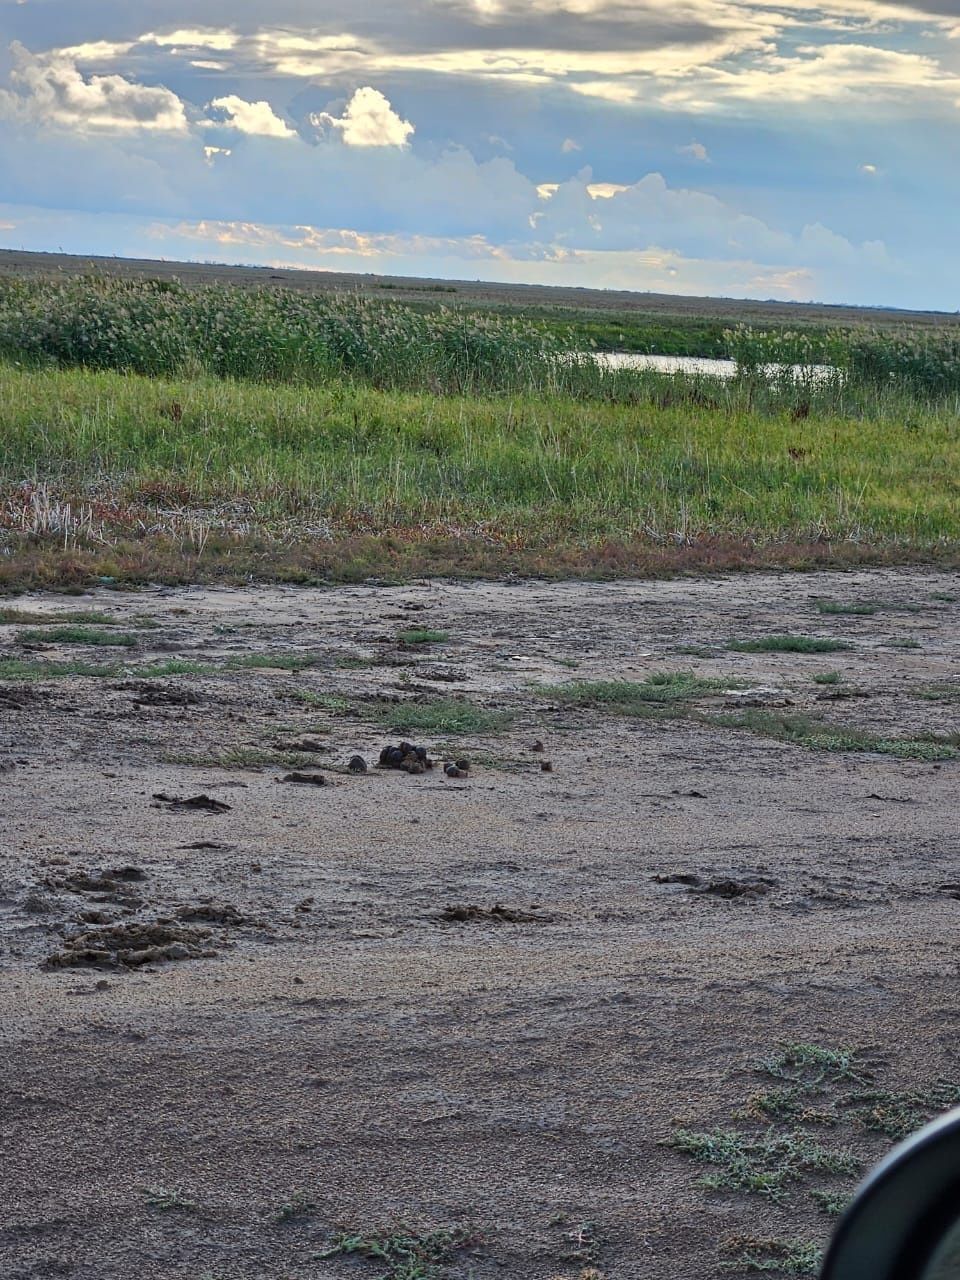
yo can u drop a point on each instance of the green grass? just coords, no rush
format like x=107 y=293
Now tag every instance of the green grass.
x=421 y=635
x=660 y=693
x=832 y=1203
x=297 y=1206
x=447 y=715
x=32 y=618
x=23 y=669
x=774 y=1256
x=828 y=677
x=818 y=735
x=246 y=758
x=400 y=1253
x=940 y=692
x=762 y=1163
x=897 y=1113
x=542 y=475
x=788 y=644
x=77 y=635
x=821 y=1117
x=273 y=662
x=840 y=607
x=165 y=1200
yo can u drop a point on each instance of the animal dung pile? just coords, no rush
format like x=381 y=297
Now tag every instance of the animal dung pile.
x=407 y=757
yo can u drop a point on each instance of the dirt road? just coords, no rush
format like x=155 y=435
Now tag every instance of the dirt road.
x=487 y=1003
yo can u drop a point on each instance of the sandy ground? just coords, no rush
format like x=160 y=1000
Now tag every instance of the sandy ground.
x=332 y=1035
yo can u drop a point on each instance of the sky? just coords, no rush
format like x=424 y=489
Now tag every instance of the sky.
x=787 y=149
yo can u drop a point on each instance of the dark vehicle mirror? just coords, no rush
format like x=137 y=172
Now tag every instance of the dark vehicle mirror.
x=904 y=1223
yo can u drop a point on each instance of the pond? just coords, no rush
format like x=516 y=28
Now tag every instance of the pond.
x=705 y=366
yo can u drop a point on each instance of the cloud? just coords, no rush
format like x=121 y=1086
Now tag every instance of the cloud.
x=570 y=144
x=870 y=170
x=256 y=118
x=696 y=150
x=52 y=90
x=834 y=74
x=368 y=121
x=194 y=38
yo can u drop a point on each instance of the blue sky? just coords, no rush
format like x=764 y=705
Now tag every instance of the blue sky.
x=746 y=148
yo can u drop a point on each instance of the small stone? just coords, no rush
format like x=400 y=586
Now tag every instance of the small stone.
x=454 y=771
x=546 y=766
x=463 y=765
x=537 y=746
x=357 y=764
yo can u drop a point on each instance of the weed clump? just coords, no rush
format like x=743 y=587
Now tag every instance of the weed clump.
x=818 y=735
x=406 y=1254
x=447 y=715
x=788 y=644
x=73 y=634
x=655 y=695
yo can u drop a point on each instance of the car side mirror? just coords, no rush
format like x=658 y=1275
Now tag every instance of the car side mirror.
x=904 y=1223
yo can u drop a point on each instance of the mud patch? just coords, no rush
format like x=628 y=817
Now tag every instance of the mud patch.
x=212 y=912
x=497 y=914
x=730 y=889
x=148 y=693
x=178 y=804
x=129 y=946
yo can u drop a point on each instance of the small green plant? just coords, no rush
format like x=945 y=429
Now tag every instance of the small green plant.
x=762 y=1163
x=832 y=1203
x=299 y=1205
x=811 y=1065
x=405 y=1254
x=788 y=644
x=827 y=677
x=583 y=1243
x=165 y=1200
x=74 y=634
x=866 y=609
x=897 y=1114
x=421 y=635
x=781 y=1257
x=908 y=643
x=448 y=715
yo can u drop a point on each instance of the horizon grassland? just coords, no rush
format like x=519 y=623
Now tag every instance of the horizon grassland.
x=156 y=430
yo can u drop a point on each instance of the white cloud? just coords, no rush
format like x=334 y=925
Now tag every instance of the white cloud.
x=194 y=38
x=833 y=73
x=608 y=90
x=251 y=117
x=605 y=190
x=368 y=121
x=570 y=144
x=97 y=50
x=52 y=90
x=696 y=150
x=870 y=170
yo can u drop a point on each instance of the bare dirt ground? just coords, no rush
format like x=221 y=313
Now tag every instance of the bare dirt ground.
x=326 y=1035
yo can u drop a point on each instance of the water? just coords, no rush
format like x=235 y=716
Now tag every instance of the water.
x=707 y=367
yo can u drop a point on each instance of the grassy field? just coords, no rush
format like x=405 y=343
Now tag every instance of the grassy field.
x=102 y=473
x=152 y=431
